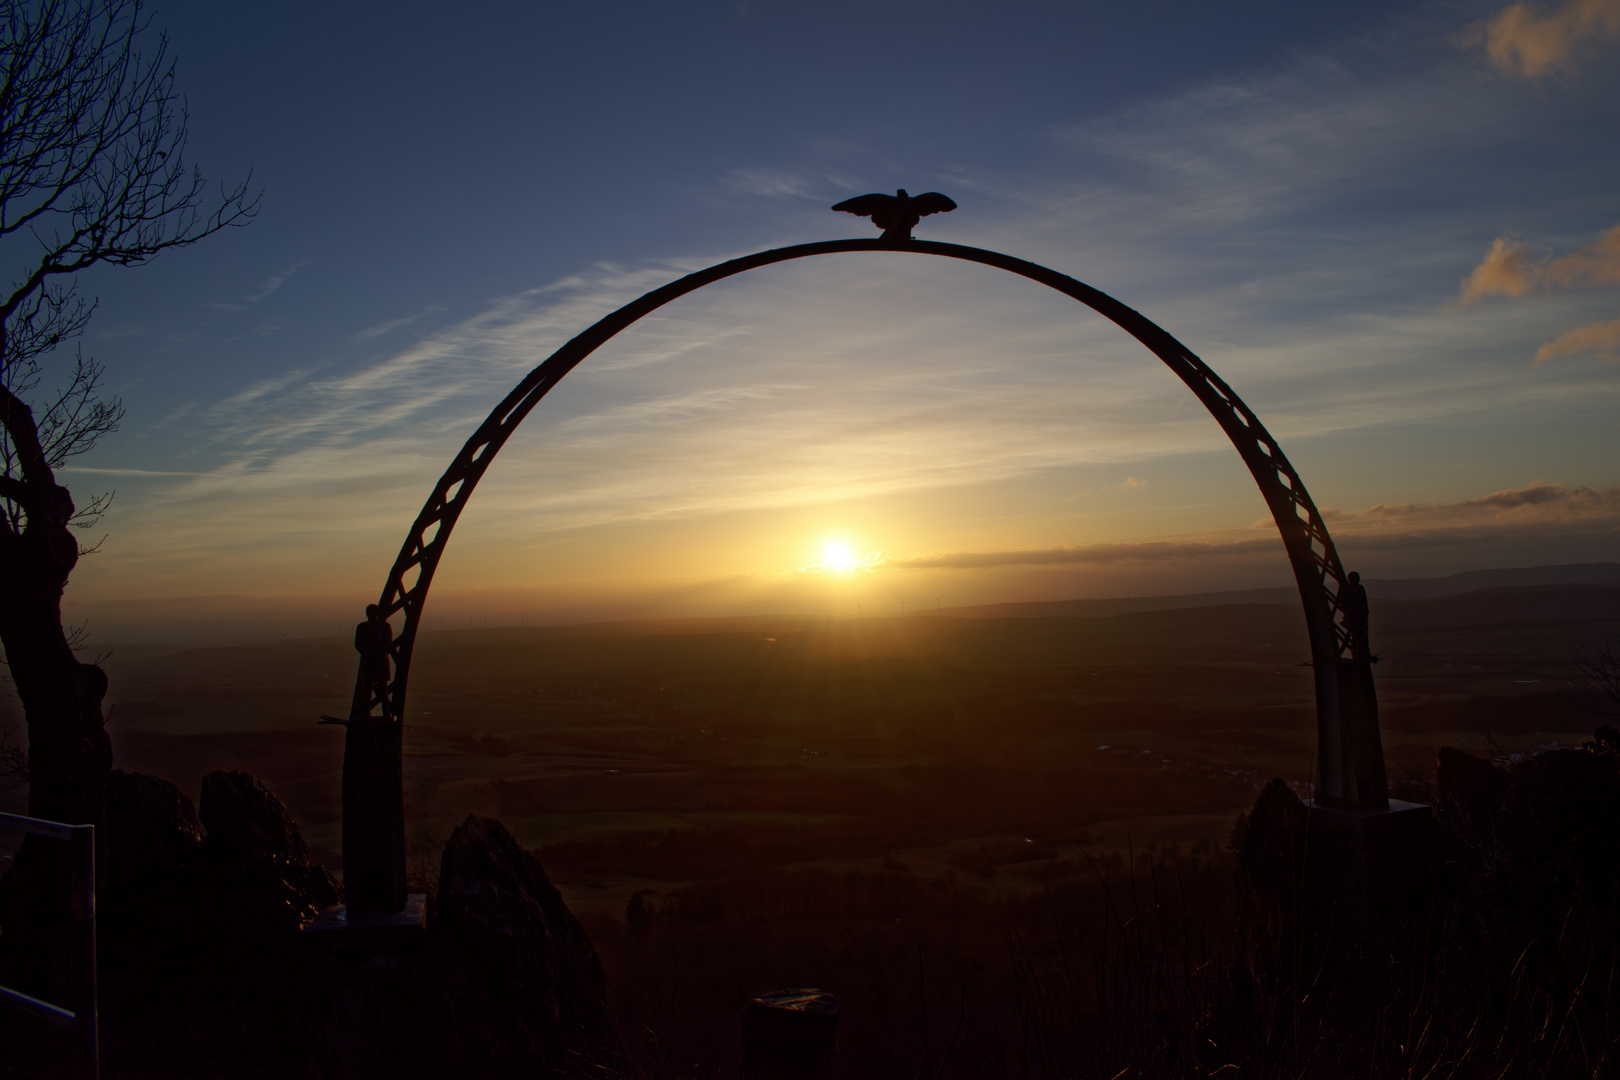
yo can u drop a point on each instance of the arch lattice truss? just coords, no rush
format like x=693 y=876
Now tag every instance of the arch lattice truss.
x=1316 y=565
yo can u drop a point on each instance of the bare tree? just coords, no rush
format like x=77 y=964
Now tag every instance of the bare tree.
x=1597 y=679
x=92 y=172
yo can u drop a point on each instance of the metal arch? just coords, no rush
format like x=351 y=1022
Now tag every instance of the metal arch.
x=1317 y=569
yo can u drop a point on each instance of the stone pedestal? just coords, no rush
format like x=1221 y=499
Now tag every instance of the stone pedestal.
x=373 y=818
x=1365 y=783
x=340 y=926
x=790 y=1035
x=1370 y=868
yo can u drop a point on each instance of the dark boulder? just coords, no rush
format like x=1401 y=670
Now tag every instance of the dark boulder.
x=151 y=817
x=1550 y=824
x=259 y=858
x=261 y=886
x=1270 y=843
x=153 y=841
x=496 y=904
x=1536 y=857
x=202 y=958
x=244 y=818
x=1564 y=806
x=154 y=856
x=504 y=982
x=1471 y=790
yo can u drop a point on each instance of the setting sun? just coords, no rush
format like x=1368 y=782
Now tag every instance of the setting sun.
x=838 y=556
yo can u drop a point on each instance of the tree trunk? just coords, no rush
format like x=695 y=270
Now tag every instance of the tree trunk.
x=69 y=754
x=90 y=174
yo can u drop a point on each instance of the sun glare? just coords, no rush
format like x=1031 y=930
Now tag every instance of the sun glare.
x=837 y=556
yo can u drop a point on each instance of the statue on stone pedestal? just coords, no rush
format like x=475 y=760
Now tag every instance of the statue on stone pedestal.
x=372 y=640
x=1355 y=617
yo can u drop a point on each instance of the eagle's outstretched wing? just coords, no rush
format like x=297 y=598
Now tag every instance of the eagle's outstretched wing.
x=896 y=214
x=868 y=205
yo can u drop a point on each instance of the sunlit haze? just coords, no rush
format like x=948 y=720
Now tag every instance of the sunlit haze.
x=837 y=556
x=1389 y=226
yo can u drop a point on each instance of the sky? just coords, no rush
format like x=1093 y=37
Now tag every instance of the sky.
x=1392 y=227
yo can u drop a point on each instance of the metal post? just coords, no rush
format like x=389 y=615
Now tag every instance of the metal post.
x=373 y=817
x=86 y=1026
x=790 y=1035
x=81 y=1019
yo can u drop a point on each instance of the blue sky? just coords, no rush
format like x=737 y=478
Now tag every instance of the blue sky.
x=1297 y=192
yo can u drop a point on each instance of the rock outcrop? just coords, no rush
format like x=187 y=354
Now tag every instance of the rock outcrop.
x=245 y=819
x=201 y=956
x=259 y=857
x=503 y=983
x=206 y=969
x=1470 y=792
x=1537 y=840
x=1269 y=842
x=496 y=904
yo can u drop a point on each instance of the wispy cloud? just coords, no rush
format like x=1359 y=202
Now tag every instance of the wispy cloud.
x=1261 y=146
x=773 y=183
x=820 y=389
x=1235 y=214
x=1503 y=272
x=863 y=564
x=267 y=288
x=1533 y=501
x=254 y=394
x=274 y=282
x=1148 y=551
x=1552 y=509
x=1575 y=501
x=122 y=472
x=1533 y=41
x=1599 y=339
x=1509 y=269
x=388 y=327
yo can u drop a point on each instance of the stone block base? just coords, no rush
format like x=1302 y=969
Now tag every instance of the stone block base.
x=337 y=926
x=1371 y=868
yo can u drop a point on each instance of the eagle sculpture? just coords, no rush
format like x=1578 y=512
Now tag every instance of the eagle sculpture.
x=896 y=214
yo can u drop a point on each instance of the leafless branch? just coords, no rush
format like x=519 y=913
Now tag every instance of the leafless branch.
x=75 y=635
x=87 y=518
x=92 y=171
x=1597 y=679
x=13 y=759
x=77 y=416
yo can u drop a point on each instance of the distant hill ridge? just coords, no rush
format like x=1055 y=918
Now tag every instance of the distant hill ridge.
x=1385 y=591
x=1592 y=581
x=163 y=636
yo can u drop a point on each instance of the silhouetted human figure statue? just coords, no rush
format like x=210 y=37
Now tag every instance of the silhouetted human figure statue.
x=372 y=640
x=896 y=214
x=1354 y=604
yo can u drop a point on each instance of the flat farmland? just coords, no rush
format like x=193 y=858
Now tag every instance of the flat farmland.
x=654 y=755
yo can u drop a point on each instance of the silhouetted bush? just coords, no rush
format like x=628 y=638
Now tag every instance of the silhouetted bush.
x=1174 y=965
x=1023 y=958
